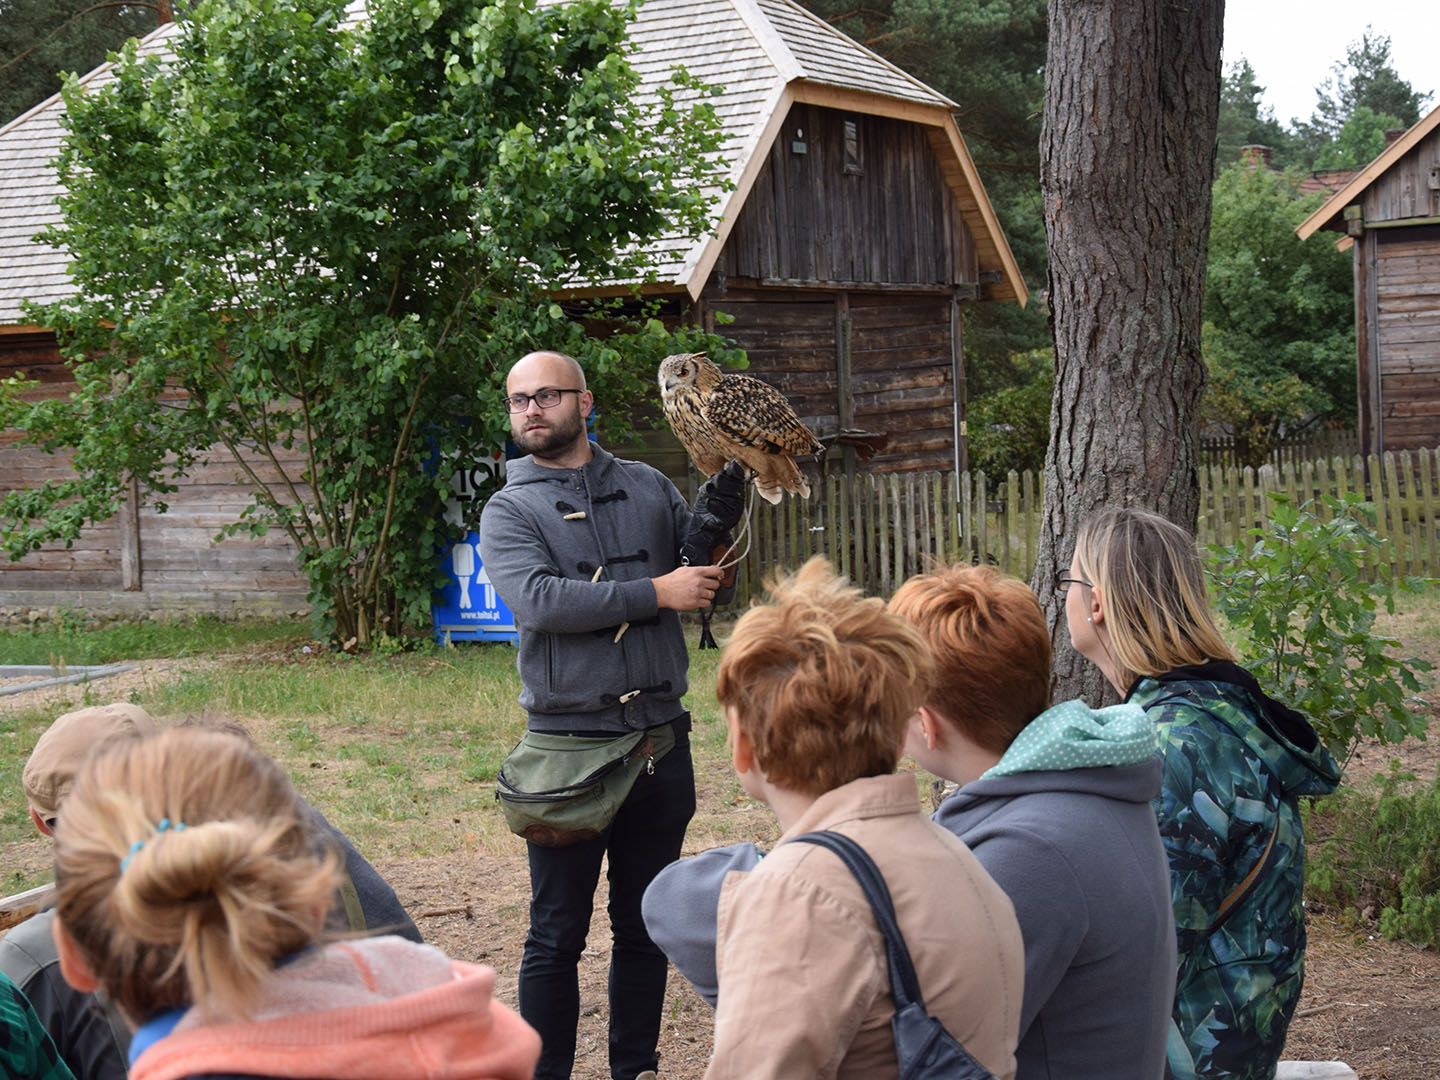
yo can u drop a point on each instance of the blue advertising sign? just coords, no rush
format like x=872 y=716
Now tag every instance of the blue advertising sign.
x=467 y=608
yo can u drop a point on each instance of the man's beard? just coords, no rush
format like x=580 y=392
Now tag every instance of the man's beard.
x=560 y=436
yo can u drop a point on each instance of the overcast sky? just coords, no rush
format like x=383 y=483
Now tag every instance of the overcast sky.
x=1291 y=46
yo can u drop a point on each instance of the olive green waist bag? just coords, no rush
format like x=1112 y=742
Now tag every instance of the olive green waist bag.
x=557 y=790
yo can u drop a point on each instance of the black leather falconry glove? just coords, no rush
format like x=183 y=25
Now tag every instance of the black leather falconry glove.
x=719 y=505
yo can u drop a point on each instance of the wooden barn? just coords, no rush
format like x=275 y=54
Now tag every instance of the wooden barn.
x=855 y=232
x=1389 y=215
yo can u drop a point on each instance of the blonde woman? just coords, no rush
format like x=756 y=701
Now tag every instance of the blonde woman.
x=190 y=890
x=1236 y=762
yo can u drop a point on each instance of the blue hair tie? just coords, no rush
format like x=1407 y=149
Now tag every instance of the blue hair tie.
x=163 y=826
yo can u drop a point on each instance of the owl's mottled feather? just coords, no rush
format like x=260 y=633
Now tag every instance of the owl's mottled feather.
x=718 y=417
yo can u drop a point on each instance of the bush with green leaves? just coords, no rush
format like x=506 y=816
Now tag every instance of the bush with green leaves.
x=1010 y=428
x=1374 y=856
x=1303 y=593
x=302 y=236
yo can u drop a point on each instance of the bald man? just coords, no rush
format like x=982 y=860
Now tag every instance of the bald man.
x=584 y=548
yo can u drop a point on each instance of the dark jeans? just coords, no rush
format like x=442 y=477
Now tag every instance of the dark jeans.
x=644 y=838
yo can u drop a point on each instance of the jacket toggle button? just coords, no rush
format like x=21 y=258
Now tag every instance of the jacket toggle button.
x=629 y=696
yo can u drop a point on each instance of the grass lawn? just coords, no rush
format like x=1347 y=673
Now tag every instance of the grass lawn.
x=400 y=752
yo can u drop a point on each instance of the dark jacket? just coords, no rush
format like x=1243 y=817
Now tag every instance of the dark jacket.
x=26 y=1050
x=543 y=538
x=1236 y=764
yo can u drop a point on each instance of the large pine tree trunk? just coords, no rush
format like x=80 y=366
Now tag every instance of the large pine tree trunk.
x=1132 y=91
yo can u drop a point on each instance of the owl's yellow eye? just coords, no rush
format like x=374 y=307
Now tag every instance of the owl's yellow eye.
x=684 y=371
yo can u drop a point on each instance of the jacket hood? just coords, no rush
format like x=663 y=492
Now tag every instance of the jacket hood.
x=1070 y=748
x=1072 y=735
x=1282 y=737
x=1136 y=783
x=378 y=1009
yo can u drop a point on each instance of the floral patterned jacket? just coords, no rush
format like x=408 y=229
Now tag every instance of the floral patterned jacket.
x=1236 y=763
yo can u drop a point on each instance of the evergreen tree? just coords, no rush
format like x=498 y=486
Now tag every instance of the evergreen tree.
x=40 y=39
x=1366 y=79
x=1244 y=122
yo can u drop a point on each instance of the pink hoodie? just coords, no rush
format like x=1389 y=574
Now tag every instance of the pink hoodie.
x=376 y=1009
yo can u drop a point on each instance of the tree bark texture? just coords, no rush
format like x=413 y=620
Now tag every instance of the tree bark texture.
x=1132 y=91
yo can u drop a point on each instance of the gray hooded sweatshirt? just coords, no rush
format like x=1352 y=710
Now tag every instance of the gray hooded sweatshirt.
x=543 y=537
x=1064 y=825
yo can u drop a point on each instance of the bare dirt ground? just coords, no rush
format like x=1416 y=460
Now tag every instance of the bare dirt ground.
x=1372 y=1003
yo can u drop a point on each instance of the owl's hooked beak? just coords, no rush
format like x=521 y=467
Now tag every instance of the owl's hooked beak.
x=666 y=383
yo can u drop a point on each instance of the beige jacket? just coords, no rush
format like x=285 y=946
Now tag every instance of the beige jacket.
x=804 y=987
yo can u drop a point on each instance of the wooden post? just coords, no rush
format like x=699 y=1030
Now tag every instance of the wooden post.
x=957 y=372
x=130 y=538
x=845 y=390
x=1372 y=345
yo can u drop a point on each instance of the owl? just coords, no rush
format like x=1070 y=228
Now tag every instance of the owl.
x=718 y=417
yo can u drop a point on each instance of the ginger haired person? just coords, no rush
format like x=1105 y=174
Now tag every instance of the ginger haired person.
x=1055 y=803
x=818 y=687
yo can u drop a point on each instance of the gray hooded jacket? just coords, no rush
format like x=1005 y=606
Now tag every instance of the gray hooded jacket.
x=1078 y=852
x=543 y=537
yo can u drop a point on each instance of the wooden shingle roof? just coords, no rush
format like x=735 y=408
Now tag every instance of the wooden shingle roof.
x=28 y=189
x=766 y=54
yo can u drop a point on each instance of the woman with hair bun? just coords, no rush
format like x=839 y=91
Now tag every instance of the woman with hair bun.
x=189 y=889
x=1236 y=762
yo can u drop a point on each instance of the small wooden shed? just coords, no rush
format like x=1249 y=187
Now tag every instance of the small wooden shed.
x=854 y=230
x=1389 y=214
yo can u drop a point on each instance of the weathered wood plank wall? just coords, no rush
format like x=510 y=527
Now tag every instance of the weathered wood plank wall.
x=1407 y=335
x=1397 y=291
x=869 y=209
x=899 y=373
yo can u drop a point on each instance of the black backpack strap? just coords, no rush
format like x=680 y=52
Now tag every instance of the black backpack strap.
x=904 y=986
x=924 y=1050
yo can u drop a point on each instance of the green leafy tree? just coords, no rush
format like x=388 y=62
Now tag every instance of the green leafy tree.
x=1359 y=141
x=1303 y=593
x=338 y=240
x=1365 y=78
x=1010 y=428
x=1279 y=337
x=40 y=39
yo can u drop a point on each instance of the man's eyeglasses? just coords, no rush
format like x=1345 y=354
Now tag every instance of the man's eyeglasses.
x=1064 y=581
x=546 y=397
